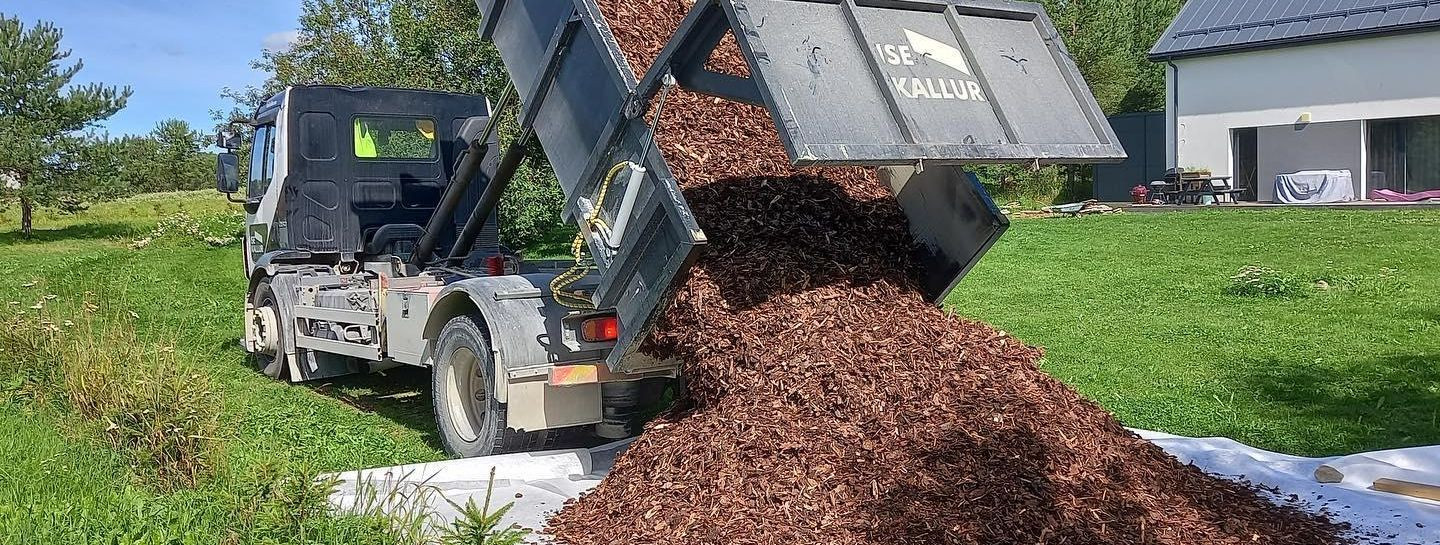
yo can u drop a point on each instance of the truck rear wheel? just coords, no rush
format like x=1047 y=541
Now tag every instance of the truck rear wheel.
x=470 y=417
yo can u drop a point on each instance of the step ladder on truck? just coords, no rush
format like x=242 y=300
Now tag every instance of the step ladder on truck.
x=371 y=234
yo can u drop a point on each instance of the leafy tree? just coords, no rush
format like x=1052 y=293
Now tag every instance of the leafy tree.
x=1109 y=40
x=420 y=44
x=170 y=158
x=42 y=116
x=97 y=174
x=176 y=158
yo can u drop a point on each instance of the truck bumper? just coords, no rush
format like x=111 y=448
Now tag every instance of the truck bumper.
x=568 y=395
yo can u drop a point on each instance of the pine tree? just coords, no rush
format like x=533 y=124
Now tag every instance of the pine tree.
x=42 y=116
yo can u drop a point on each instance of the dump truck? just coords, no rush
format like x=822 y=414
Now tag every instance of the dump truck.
x=371 y=232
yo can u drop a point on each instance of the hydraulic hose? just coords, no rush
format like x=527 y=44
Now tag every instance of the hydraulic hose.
x=560 y=285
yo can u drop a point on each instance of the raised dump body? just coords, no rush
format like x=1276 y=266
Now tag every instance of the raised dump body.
x=914 y=87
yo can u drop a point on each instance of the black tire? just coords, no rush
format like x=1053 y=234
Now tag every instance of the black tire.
x=273 y=366
x=471 y=420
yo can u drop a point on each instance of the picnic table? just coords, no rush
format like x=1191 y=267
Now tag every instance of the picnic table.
x=1192 y=190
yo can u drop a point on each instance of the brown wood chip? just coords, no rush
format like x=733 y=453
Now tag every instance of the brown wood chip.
x=828 y=402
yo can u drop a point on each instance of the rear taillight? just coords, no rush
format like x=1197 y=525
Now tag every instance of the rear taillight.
x=602 y=329
x=495 y=265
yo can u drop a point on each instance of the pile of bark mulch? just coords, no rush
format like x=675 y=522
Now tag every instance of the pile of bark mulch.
x=829 y=403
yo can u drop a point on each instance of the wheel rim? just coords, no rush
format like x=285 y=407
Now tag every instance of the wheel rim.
x=466 y=394
x=271 y=363
x=267 y=331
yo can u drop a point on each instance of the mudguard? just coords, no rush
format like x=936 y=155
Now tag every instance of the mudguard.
x=527 y=329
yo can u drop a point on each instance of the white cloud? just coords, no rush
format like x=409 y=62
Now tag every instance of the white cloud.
x=280 y=41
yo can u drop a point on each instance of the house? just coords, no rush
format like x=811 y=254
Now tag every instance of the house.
x=1258 y=88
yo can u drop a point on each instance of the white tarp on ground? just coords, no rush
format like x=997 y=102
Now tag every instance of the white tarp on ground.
x=1314 y=187
x=539 y=483
x=1378 y=517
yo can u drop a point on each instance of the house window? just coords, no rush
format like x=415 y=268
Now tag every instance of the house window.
x=1405 y=154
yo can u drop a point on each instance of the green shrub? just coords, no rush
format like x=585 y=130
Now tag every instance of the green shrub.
x=293 y=506
x=481 y=526
x=1256 y=281
x=531 y=205
x=1036 y=188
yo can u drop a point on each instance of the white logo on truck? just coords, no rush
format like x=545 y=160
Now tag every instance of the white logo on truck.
x=919 y=47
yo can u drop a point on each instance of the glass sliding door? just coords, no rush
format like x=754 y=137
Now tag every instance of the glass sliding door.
x=1245 y=144
x=1405 y=154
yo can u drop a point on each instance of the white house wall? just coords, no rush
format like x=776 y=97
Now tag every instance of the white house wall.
x=1370 y=78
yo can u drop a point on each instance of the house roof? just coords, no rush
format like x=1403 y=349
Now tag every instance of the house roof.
x=1206 y=27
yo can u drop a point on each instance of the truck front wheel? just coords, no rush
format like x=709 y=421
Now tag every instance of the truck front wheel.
x=471 y=419
x=270 y=355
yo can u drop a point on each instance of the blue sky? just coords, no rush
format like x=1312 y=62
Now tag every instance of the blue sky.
x=176 y=56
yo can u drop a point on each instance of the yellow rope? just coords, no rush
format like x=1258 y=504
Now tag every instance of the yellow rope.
x=559 y=287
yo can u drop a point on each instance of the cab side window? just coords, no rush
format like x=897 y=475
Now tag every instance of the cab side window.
x=395 y=138
x=262 y=161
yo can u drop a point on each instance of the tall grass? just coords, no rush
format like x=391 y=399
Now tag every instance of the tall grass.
x=402 y=509
x=139 y=397
x=163 y=415
x=68 y=478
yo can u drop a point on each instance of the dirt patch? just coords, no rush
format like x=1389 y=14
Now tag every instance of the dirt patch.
x=828 y=402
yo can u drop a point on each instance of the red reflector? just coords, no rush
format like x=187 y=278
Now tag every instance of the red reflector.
x=495 y=265
x=604 y=328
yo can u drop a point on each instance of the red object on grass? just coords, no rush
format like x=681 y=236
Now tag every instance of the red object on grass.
x=1139 y=193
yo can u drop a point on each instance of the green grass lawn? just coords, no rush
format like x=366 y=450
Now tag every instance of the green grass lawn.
x=1131 y=309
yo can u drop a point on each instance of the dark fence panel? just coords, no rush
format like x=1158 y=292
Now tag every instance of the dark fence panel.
x=1143 y=137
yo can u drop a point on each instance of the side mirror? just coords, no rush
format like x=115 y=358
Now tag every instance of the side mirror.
x=227 y=173
x=228 y=140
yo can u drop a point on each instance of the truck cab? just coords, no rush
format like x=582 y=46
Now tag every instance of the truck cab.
x=342 y=186
x=354 y=173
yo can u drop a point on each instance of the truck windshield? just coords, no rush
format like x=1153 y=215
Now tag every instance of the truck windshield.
x=406 y=138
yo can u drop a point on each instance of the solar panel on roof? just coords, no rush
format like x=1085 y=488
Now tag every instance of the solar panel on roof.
x=1206 y=26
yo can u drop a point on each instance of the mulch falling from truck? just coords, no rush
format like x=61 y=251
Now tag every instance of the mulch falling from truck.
x=828 y=402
